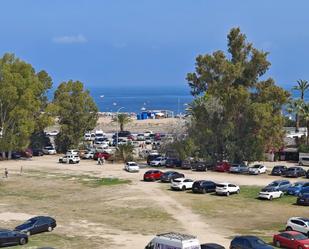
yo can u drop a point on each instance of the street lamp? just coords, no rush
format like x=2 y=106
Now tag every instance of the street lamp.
x=117 y=128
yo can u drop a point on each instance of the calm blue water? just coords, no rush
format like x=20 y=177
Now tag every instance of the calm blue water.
x=110 y=99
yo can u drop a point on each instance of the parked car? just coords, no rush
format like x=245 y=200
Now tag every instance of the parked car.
x=307 y=173
x=291 y=239
x=278 y=170
x=282 y=185
x=131 y=167
x=104 y=155
x=304 y=161
x=123 y=134
x=37 y=152
x=305 y=190
x=298 y=224
x=239 y=168
x=72 y=152
x=168 y=176
x=294 y=172
x=212 y=246
x=12 y=238
x=159 y=161
x=257 y=169
x=249 y=242
x=201 y=166
x=172 y=163
x=297 y=187
x=140 y=137
x=16 y=155
x=203 y=186
x=88 y=155
x=37 y=224
x=270 y=193
x=49 y=150
x=153 y=175
x=226 y=188
x=151 y=157
x=303 y=199
x=181 y=184
x=72 y=159
x=187 y=163
x=223 y=167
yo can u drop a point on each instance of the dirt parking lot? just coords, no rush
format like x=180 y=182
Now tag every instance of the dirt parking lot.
x=92 y=214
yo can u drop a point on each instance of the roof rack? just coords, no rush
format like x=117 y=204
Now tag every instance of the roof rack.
x=177 y=236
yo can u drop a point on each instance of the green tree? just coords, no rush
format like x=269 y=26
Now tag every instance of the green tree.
x=302 y=87
x=22 y=102
x=304 y=111
x=124 y=152
x=77 y=113
x=122 y=119
x=235 y=115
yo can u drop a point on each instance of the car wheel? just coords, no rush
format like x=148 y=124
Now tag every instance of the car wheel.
x=299 y=247
x=271 y=198
x=238 y=191
x=183 y=188
x=227 y=193
x=22 y=241
x=159 y=164
x=204 y=191
x=70 y=162
x=281 y=195
x=277 y=244
x=289 y=229
x=49 y=229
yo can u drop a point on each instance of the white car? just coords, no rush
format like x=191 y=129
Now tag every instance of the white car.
x=87 y=137
x=159 y=161
x=71 y=159
x=49 y=150
x=72 y=152
x=269 y=193
x=88 y=155
x=181 y=184
x=298 y=224
x=131 y=167
x=52 y=133
x=257 y=169
x=140 y=137
x=226 y=188
x=147 y=133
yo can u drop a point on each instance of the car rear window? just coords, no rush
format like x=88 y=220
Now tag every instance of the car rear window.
x=221 y=185
x=177 y=180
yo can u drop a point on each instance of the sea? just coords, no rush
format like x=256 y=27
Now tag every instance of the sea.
x=138 y=98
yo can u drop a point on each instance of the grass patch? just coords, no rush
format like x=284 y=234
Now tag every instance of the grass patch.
x=97 y=182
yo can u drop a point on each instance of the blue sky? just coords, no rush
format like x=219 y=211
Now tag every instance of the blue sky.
x=151 y=42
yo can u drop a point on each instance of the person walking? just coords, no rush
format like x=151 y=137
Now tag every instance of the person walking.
x=6 y=173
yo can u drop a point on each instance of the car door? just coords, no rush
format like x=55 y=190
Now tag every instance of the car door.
x=285 y=240
x=42 y=225
x=302 y=226
x=232 y=188
x=298 y=225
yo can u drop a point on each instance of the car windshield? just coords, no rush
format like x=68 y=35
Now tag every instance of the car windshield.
x=221 y=185
x=258 y=242
x=300 y=236
x=177 y=181
x=268 y=190
x=256 y=166
x=30 y=222
x=273 y=184
x=132 y=164
x=298 y=184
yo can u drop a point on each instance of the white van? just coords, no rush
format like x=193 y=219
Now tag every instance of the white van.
x=304 y=161
x=175 y=241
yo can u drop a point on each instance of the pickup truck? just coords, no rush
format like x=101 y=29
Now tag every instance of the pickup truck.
x=69 y=159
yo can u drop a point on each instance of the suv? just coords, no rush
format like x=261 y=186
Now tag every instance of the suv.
x=186 y=164
x=278 y=170
x=69 y=159
x=257 y=169
x=203 y=187
x=297 y=187
x=298 y=224
x=152 y=175
x=223 y=167
x=172 y=163
x=304 y=161
x=152 y=157
x=248 y=242
x=159 y=161
x=226 y=188
x=181 y=184
x=168 y=176
x=239 y=168
x=294 y=172
x=201 y=166
x=282 y=185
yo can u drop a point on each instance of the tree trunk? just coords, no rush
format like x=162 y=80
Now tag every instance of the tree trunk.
x=307 y=133
x=297 y=123
x=3 y=156
x=121 y=127
x=10 y=155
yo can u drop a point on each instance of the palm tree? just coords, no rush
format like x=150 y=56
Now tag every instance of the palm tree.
x=302 y=86
x=305 y=114
x=122 y=119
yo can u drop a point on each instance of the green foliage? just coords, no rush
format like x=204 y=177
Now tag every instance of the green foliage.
x=235 y=116
x=124 y=152
x=77 y=113
x=303 y=148
x=122 y=119
x=22 y=102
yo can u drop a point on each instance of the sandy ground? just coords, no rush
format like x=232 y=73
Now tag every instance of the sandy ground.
x=191 y=222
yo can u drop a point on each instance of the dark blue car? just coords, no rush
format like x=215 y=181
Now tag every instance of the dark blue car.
x=296 y=188
x=248 y=242
x=37 y=224
x=305 y=190
x=12 y=238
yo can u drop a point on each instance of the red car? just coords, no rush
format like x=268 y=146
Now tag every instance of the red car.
x=153 y=175
x=223 y=167
x=291 y=239
x=101 y=155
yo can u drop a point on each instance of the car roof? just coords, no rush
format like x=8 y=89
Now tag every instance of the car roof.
x=291 y=232
x=3 y=230
x=300 y=218
x=225 y=183
x=250 y=237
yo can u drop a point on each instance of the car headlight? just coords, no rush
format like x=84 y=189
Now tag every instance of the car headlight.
x=307 y=246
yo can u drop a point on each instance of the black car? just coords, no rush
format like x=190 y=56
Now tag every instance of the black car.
x=37 y=152
x=173 y=163
x=294 y=172
x=201 y=166
x=168 y=176
x=248 y=242
x=303 y=199
x=203 y=187
x=212 y=246
x=307 y=174
x=16 y=155
x=186 y=164
x=151 y=157
x=278 y=170
x=37 y=224
x=122 y=134
x=12 y=238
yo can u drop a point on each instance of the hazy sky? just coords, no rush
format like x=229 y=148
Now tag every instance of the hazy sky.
x=151 y=42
